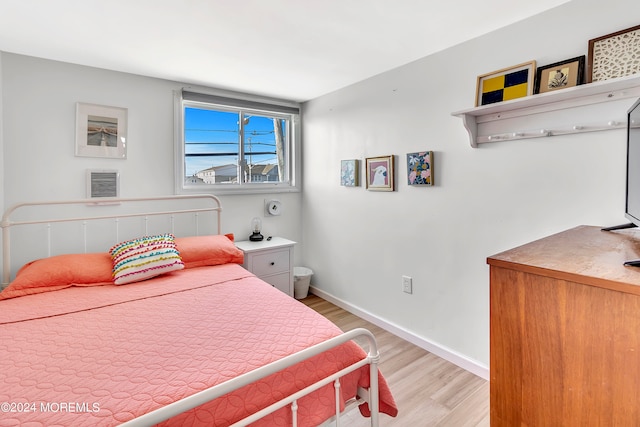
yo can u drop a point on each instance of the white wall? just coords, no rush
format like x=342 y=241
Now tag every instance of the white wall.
x=485 y=200
x=38 y=118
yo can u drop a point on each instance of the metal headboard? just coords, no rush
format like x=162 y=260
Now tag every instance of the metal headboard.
x=211 y=204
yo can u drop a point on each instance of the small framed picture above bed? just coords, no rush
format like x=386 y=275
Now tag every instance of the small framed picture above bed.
x=101 y=131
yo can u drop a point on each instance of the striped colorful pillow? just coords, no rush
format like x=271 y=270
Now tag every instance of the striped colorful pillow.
x=139 y=259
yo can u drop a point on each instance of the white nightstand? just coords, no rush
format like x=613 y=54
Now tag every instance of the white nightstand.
x=270 y=260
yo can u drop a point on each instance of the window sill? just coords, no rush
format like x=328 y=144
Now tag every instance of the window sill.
x=236 y=190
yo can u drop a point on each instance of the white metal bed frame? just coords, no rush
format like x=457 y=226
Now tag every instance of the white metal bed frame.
x=164 y=413
x=7 y=222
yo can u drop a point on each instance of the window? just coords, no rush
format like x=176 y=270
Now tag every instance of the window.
x=227 y=145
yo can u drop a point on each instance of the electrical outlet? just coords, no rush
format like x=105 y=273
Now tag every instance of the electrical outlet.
x=407 y=284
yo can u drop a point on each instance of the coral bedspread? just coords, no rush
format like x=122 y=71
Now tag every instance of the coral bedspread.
x=99 y=356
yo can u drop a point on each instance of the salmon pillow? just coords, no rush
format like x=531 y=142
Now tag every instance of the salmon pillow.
x=199 y=251
x=59 y=272
x=143 y=258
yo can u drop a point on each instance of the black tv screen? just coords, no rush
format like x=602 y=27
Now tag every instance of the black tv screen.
x=632 y=210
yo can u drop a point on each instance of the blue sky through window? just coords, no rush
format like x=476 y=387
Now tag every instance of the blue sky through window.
x=211 y=138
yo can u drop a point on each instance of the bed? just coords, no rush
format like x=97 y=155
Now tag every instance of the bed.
x=192 y=340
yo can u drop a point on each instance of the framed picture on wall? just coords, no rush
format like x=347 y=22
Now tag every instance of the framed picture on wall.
x=349 y=173
x=505 y=84
x=380 y=172
x=420 y=168
x=101 y=131
x=614 y=55
x=560 y=75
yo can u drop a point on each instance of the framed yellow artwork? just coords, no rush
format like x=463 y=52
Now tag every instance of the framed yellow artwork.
x=506 y=84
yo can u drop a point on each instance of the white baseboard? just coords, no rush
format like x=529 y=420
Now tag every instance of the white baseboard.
x=457 y=359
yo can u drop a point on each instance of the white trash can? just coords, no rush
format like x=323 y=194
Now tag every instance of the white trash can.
x=301 y=281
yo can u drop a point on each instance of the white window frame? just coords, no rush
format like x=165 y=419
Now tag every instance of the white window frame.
x=222 y=100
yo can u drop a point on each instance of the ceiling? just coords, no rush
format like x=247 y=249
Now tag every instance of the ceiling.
x=291 y=49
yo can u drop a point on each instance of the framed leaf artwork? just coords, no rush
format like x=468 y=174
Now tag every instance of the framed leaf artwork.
x=420 y=168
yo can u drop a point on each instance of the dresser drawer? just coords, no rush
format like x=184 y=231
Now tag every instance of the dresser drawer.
x=272 y=262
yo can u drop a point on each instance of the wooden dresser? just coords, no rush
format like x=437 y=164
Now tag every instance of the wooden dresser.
x=565 y=331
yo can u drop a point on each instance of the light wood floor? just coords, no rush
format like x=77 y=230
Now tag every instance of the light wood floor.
x=428 y=390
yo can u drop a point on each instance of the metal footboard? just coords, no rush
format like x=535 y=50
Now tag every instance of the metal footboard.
x=214 y=392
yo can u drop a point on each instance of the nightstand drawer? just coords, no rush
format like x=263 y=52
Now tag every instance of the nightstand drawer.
x=272 y=262
x=279 y=281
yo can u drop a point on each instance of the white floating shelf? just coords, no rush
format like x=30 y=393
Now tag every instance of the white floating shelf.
x=585 y=108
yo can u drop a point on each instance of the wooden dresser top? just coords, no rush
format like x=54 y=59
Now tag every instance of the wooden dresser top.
x=583 y=254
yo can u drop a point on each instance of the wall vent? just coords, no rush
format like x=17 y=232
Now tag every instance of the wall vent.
x=103 y=183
